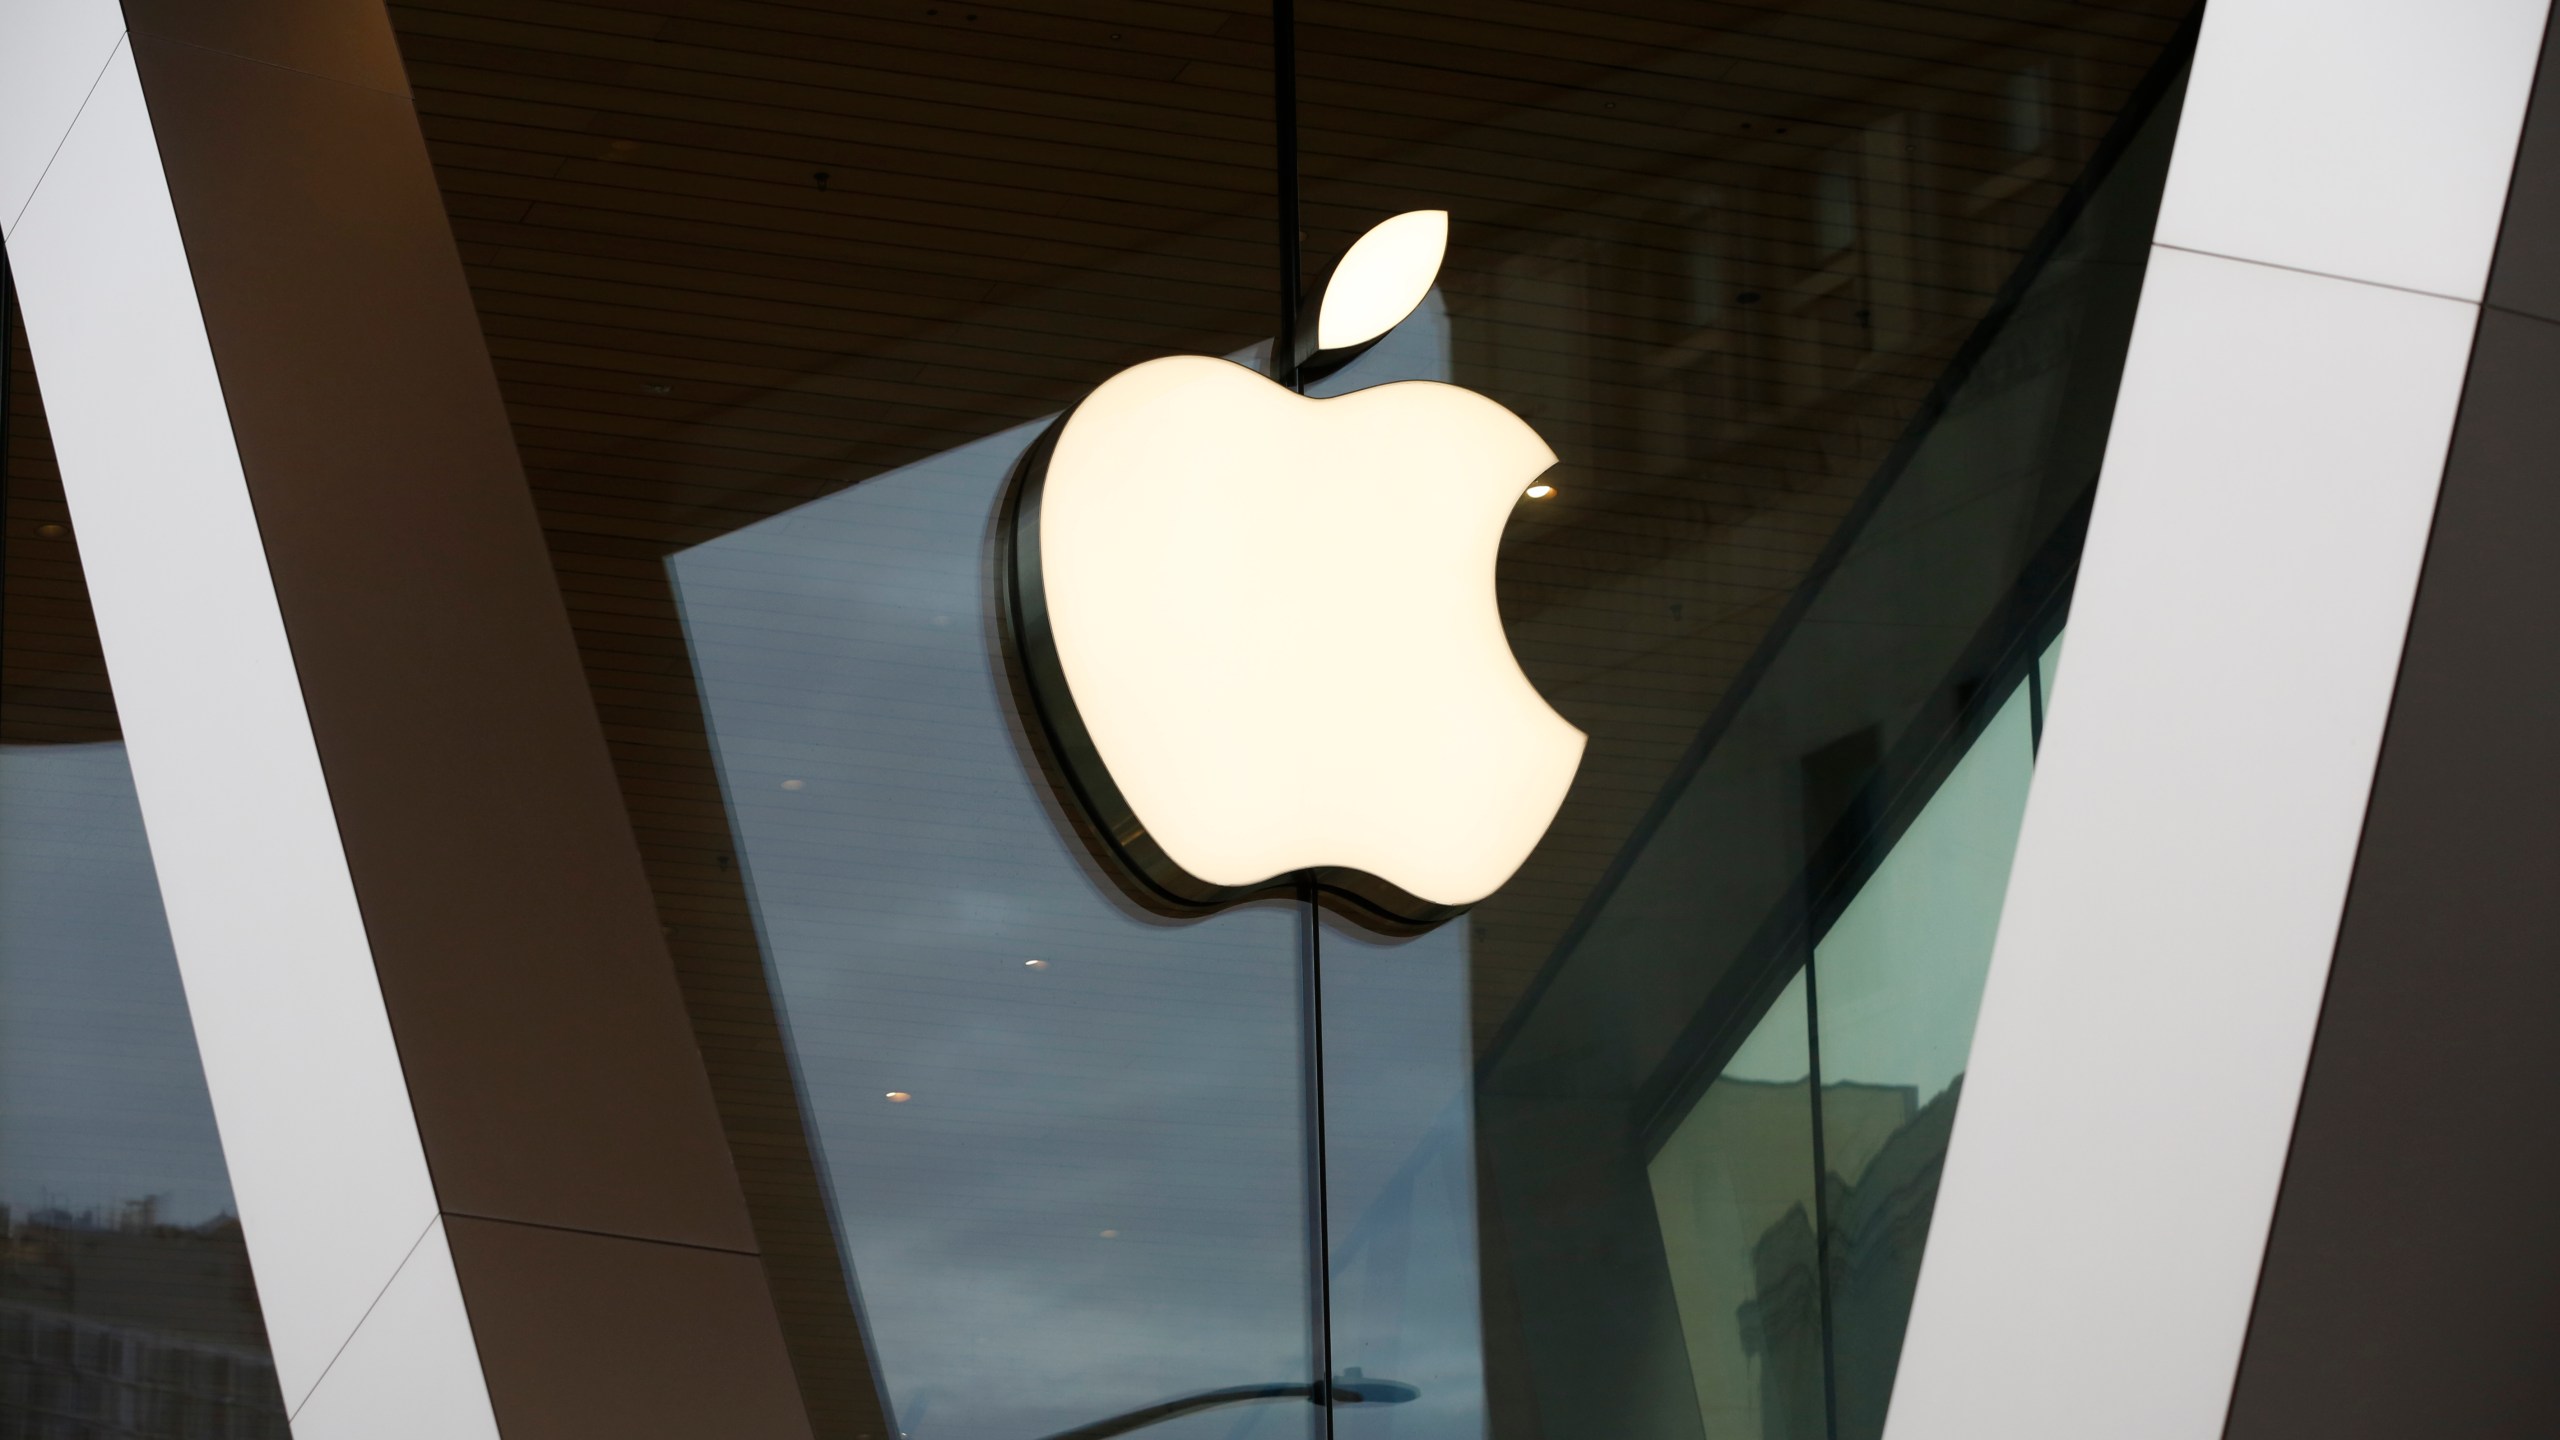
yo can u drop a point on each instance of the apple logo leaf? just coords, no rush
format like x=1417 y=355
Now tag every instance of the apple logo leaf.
x=1378 y=282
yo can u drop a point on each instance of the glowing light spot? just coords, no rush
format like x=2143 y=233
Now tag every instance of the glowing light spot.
x=899 y=1097
x=1541 y=492
x=1435 y=766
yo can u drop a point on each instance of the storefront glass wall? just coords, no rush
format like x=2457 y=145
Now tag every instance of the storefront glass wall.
x=1821 y=306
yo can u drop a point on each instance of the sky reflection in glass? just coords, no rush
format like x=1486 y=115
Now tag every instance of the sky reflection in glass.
x=102 y=1098
x=1095 y=1198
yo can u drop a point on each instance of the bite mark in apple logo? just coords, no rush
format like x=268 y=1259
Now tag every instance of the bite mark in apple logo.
x=1260 y=629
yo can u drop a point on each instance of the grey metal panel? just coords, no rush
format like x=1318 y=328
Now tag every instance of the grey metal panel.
x=2191 y=834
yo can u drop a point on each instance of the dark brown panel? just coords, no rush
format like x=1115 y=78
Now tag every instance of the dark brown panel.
x=554 y=1075
x=2412 y=1280
x=323 y=37
x=584 y=1336
x=53 y=671
x=2527 y=274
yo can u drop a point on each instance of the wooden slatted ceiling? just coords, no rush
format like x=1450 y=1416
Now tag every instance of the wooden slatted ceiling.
x=53 y=676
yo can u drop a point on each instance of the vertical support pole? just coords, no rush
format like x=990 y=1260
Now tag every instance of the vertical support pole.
x=1319 y=1197
x=1284 y=119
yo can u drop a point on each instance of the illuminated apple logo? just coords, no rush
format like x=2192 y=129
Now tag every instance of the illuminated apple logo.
x=1260 y=629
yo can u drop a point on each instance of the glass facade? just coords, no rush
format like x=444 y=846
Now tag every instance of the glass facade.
x=127 y=1308
x=1821 y=306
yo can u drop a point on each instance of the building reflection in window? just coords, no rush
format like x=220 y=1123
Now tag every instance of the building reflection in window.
x=1094 y=1196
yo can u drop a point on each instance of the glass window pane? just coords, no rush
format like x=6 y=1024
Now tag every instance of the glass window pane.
x=776 y=303
x=1400 y=1183
x=1821 y=310
x=1733 y=1186
x=1900 y=977
x=2048 y=667
x=1057 y=1130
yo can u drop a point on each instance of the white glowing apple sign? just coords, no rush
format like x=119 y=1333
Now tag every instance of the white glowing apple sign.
x=1260 y=628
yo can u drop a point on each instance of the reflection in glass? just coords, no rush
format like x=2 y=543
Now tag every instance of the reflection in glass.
x=1822 y=308
x=1824 y=316
x=1399 y=1150
x=1733 y=1187
x=1784 y=1338
x=1092 y=1197
x=799 y=250
x=1901 y=974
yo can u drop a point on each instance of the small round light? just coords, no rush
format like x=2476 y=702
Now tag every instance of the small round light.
x=1035 y=964
x=1541 y=492
x=899 y=1097
x=1110 y=1234
x=794 y=784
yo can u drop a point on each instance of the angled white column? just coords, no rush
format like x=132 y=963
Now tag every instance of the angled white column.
x=2271 y=476
x=323 y=1148
x=483 y=1182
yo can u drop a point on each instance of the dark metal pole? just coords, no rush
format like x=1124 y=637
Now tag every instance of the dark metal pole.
x=1821 y=1200
x=1319 y=1220
x=1284 y=368
x=1284 y=116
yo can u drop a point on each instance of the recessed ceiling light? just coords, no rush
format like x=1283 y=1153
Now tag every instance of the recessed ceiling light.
x=1035 y=964
x=794 y=784
x=899 y=1097
x=1541 y=492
